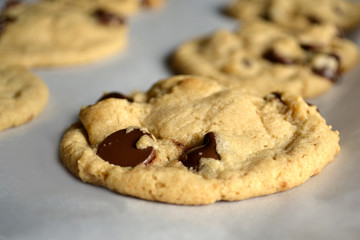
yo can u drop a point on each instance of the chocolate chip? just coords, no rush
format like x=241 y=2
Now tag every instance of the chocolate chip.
x=108 y=18
x=120 y=149
x=4 y=21
x=191 y=158
x=11 y=3
x=266 y=16
x=273 y=56
x=313 y=20
x=327 y=66
x=266 y=13
x=115 y=95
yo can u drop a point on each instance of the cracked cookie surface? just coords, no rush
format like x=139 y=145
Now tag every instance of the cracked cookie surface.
x=22 y=96
x=190 y=140
x=263 y=57
x=298 y=13
x=53 y=34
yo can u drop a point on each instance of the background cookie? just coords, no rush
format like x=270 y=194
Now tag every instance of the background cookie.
x=193 y=141
x=51 y=34
x=298 y=13
x=121 y=7
x=22 y=96
x=263 y=57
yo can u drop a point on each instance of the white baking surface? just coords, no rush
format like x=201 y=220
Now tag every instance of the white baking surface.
x=39 y=199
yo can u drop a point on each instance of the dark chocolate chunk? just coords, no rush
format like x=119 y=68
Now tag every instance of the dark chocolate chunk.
x=120 y=149
x=115 y=95
x=272 y=56
x=191 y=158
x=329 y=72
x=108 y=18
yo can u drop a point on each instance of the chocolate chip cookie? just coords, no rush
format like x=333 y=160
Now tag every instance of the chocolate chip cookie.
x=22 y=96
x=49 y=33
x=190 y=140
x=298 y=13
x=263 y=57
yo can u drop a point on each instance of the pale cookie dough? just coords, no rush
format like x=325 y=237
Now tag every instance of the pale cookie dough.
x=22 y=96
x=298 y=13
x=263 y=57
x=190 y=140
x=121 y=7
x=54 y=34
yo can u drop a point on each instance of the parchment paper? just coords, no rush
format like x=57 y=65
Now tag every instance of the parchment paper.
x=39 y=199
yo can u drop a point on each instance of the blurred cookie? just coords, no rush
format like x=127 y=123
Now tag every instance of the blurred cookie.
x=53 y=34
x=121 y=7
x=190 y=140
x=298 y=13
x=263 y=57
x=22 y=96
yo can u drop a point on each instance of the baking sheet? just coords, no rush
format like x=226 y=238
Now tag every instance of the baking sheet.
x=39 y=199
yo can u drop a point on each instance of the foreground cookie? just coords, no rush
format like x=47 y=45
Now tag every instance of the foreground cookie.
x=298 y=13
x=190 y=140
x=263 y=57
x=22 y=96
x=53 y=34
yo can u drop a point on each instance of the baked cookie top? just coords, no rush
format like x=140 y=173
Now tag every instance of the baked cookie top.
x=190 y=140
x=121 y=7
x=22 y=96
x=262 y=57
x=298 y=13
x=50 y=34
